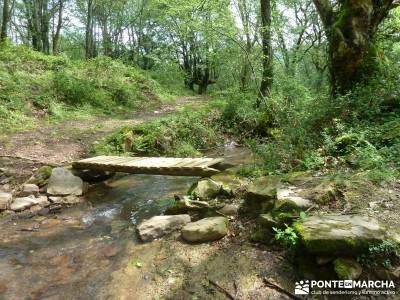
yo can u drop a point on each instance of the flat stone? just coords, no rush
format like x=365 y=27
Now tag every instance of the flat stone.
x=287 y=199
x=29 y=189
x=347 y=268
x=205 y=230
x=159 y=226
x=22 y=203
x=5 y=200
x=330 y=235
x=63 y=182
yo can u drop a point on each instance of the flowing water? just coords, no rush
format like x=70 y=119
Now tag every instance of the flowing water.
x=70 y=255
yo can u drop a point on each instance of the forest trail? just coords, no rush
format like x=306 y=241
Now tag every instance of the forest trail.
x=69 y=140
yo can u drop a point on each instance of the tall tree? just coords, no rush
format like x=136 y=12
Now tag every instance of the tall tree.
x=351 y=27
x=267 y=73
x=5 y=20
x=89 y=34
x=57 y=29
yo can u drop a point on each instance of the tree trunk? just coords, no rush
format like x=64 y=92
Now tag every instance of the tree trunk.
x=89 y=49
x=351 y=31
x=56 y=37
x=5 y=21
x=45 y=26
x=267 y=74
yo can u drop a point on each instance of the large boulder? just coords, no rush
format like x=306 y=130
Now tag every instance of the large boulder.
x=205 y=230
x=158 y=226
x=207 y=189
x=261 y=195
x=63 y=182
x=339 y=234
x=5 y=200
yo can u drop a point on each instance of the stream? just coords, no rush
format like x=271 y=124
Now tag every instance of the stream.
x=72 y=254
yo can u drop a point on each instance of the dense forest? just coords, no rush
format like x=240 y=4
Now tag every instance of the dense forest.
x=300 y=98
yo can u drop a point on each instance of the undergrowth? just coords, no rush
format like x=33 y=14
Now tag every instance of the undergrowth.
x=36 y=87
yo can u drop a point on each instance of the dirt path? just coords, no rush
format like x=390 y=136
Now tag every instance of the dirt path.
x=69 y=140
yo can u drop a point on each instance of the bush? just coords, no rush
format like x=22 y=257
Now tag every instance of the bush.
x=185 y=134
x=33 y=84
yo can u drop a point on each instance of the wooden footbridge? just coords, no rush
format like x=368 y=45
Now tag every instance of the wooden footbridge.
x=153 y=165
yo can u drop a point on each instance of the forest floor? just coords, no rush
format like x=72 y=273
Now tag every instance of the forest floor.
x=62 y=143
x=69 y=140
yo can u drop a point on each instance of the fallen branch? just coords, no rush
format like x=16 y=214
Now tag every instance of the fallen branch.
x=280 y=289
x=221 y=289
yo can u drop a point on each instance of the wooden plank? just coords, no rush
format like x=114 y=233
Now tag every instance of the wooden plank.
x=151 y=165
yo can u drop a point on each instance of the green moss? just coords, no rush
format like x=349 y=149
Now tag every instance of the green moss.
x=347 y=268
x=286 y=205
x=41 y=176
x=329 y=246
x=285 y=217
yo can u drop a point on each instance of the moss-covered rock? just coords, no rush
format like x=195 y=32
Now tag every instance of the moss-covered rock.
x=41 y=176
x=207 y=189
x=285 y=217
x=297 y=178
x=339 y=234
x=261 y=195
x=288 y=201
x=347 y=268
x=325 y=193
x=264 y=232
x=262 y=235
x=267 y=221
x=231 y=184
x=194 y=208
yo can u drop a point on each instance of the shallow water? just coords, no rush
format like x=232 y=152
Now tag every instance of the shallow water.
x=71 y=255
